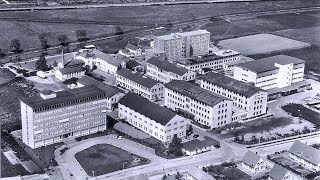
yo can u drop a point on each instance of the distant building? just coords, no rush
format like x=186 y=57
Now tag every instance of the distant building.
x=196 y=146
x=69 y=72
x=203 y=106
x=140 y=84
x=151 y=52
x=186 y=44
x=305 y=155
x=53 y=116
x=165 y=71
x=253 y=162
x=157 y=121
x=197 y=174
x=213 y=61
x=105 y=62
x=137 y=51
x=113 y=94
x=249 y=98
x=279 y=173
x=272 y=72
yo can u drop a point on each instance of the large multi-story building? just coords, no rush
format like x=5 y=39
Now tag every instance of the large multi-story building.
x=165 y=71
x=251 y=99
x=52 y=116
x=272 y=72
x=214 y=60
x=140 y=84
x=206 y=107
x=186 y=44
x=159 y=122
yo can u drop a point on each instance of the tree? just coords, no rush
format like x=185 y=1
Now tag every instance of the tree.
x=191 y=51
x=54 y=64
x=175 y=146
x=189 y=130
x=119 y=30
x=41 y=64
x=63 y=40
x=15 y=46
x=179 y=176
x=43 y=41
x=2 y=54
x=81 y=35
x=164 y=177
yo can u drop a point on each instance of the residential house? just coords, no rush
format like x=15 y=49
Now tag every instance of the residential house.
x=196 y=173
x=253 y=162
x=279 y=173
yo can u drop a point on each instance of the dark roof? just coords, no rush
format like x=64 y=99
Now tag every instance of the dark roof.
x=251 y=158
x=278 y=172
x=197 y=144
x=132 y=64
x=147 y=108
x=231 y=84
x=68 y=70
x=74 y=62
x=138 y=78
x=132 y=47
x=63 y=97
x=195 y=92
x=305 y=152
x=199 y=174
x=109 y=91
x=167 y=66
x=268 y=64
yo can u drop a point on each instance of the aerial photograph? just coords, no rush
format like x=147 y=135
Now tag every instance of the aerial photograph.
x=160 y=89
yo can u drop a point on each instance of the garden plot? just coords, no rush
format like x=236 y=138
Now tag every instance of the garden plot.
x=262 y=44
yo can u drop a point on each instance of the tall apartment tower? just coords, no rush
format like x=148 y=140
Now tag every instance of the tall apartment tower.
x=53 y=116
x=182 y=45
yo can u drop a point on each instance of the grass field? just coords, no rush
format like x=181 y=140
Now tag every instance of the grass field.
x=262 y=44
x=103 y=159
x=298 y=110
x=9 y=170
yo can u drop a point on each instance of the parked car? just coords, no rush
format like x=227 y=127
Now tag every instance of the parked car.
x=120 y=137
x=196 y=136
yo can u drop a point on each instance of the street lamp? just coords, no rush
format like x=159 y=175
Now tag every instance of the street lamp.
x=125 y=162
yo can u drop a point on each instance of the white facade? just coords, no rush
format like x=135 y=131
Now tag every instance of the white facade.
x=305 y=163
x=260 y=166
x=165 y=72
x=179 y=45
x=65 y=76
x=255 y=103
x=278 y=75
x=214 y=60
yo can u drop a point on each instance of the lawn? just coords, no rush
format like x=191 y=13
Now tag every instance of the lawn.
x=298 y=110
x=9 y=170
x=105 y=158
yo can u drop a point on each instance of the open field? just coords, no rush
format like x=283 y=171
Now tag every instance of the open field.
x=262 y=44
x=103 y=159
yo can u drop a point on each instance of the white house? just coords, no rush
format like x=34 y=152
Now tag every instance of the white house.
x=201 y=105
x=137 y=51
x=105 y=62
x=279 y=173
x=165 y=71
x=245 y=96
x=69 y=72
x=112 y=94
x=159 y=122
x=272 y=72
x=305 y=155
x=139 y=84
x=196 y=146
x=253 y=162
x=197 y=174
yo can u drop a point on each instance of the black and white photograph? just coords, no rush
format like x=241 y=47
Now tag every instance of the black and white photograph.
x=160 y=89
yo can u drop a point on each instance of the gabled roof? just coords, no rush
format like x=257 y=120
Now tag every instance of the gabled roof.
x=231 y=84
x=195 y=92
x=74 y=62
x=132 y=64
x=167 y=66
x=278 y=172
x=197 y=144
x=69 y=70
x=87 y=81
x=251 y=158
x=198 y=174
x=147 y=108
x=268 y=64
x=132 y=47
x=103 y=56
x=136 y=77
x=305 y=152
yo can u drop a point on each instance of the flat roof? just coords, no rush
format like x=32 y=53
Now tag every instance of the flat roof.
x=206 y=58
x=138 y=78
x=147 y=108
x=195 y=92
x=231 y=84
x=63 y=96
x=167 y=66
x=194 y=33
x=268 y=64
